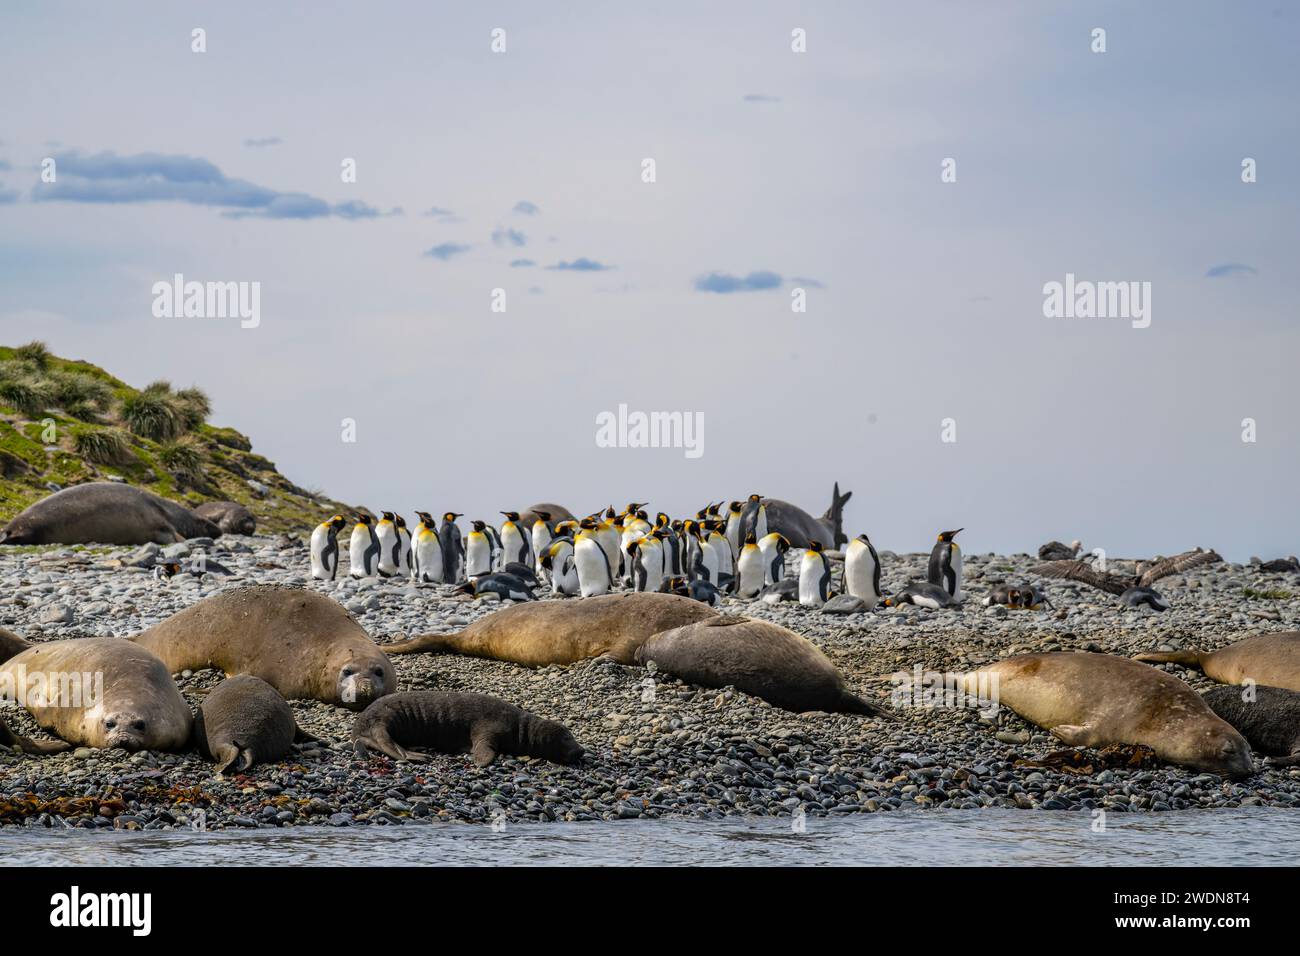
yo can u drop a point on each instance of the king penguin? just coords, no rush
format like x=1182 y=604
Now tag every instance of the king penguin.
x=647 y=556
x=734 y=512
x=453 y=548
x=749 y=567
x=364 y=548
x=593 y=564
x=403 y=546
x=814 y=576
x=773 y=547
x=541 y=534
x=390 y=546
x=426 y=550
x=478 y=551
x=557 y=560
x=325 y=549
x=945 y=564
x=862 y=570
x=515 y=541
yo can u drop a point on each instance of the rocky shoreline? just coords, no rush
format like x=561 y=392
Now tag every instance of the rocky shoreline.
x=656 y=747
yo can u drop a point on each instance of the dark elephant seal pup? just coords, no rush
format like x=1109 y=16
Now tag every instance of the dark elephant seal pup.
x=99 y=692
x=104 y=512
x=1093 y=700
x=1269 y=659
x=562 y=632
x=301 y=643
x=230 y=516
x=759 y=658
x=1268 y=717
x=244 y=721
x=452 y=723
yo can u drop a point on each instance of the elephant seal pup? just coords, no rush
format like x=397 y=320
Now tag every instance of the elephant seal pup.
x=1269 y=659
x=454 y=722
x=758 y=658
x=301 y=643
x=99 y=692
x=230 y=516
x=1271 y=721
x=104 y=512
x=244 y=721
x=1092 y=700
x=561 y=632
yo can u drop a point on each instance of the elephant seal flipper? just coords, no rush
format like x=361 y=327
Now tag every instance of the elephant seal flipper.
x=29 y=746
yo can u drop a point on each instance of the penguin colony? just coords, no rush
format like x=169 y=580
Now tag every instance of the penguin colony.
x=708 y=557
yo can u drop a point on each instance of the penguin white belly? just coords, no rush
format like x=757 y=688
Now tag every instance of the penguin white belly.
x=388 y=547
x=773 y=564
x=710 y=562
x=324 y=558
x=921 y=600
x=760 y=523
x=652 y=568
x=726 y=561
x=564 y=575
x=404 y=559
x=751 y=572
x=428 y=558
x=516 y=546
x=609 y=543
x=541 y=541
x=812 y=573
x=361 y=554
x=478 y=555
x=860 y=575
x=593 y=567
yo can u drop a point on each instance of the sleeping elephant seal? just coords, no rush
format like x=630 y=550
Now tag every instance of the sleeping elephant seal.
x=557 y=512
x=1093 y=700
x=104 y=512
x=560 y=632
x=1269 y=659
x=244 y=721
x=452 y=723
x=99 y=692
x=1270 y=720
x=301 y=643
x=230 y=516
x=758 y=658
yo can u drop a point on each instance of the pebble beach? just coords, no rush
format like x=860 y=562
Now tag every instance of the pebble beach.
x=656 y=747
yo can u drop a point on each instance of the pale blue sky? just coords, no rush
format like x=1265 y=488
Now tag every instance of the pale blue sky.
x=822 y=165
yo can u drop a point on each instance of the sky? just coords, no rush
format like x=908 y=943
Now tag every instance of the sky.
x=774 y=170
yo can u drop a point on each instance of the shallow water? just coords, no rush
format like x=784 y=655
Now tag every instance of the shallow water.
x=1239 y=837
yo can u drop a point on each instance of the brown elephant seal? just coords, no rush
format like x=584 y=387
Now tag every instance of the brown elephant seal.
x=244 y=721
x=1093 y=700
x=1269 y=659
x=11 y=644
x=557 y=514
x=104 y=512
x=99 y=692
x=452 y=723
x=301 y=643
x=230 y=516
x=1268 y=717
x=759 y=658
x=561 y=632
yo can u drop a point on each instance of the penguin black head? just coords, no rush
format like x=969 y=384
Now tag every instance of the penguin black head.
x=337 y=522
x=543 y=515
x=815 y=547
x=479 y=525
x=642 y=515
x=364 y=519
x=466 y=587
x=735 y=507
x=451 y=516
x=634 y=507
x=751 y=538
x=949 y=535
x=662 y=520
x=610 y=513
x=425 y=517
x=713 y=509
x=864 y=539
x=677 y=525
x=756 y=498
x=782 y=543
x=388 y=515
x=587 y=524
x=510 y=515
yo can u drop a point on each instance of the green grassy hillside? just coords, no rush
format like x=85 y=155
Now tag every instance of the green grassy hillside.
x=67 y=422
